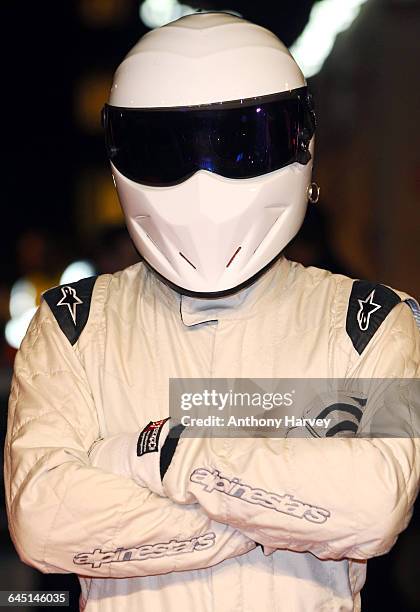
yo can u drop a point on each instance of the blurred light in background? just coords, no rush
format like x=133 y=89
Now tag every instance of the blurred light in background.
x=103 y=13
x=156 y=13
x=77 y=270
x=327 y=19
x=97 y=201
x=15 y=329
x=22 y=306
x=22 y=297
x=91 y=93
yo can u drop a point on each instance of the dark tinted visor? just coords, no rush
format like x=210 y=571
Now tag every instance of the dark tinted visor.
x=239 y=139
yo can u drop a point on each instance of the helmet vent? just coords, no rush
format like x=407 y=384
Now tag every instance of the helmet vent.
x=187 y=260
x=260 y=243
x=147 y=237
x=151 y=240
x=233 y=257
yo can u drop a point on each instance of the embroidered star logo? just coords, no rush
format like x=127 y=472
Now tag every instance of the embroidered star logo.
x=71 y=300
x=366 y=310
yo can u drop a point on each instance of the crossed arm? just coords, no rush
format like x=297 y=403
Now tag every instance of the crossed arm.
x=67 y=514
x=335 y=498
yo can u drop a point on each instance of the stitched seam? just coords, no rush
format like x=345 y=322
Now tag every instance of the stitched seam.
x=42 y=459
x=15 y=432
x=29 y=375
x=331 y=340
x=47 y=539
x=117 y=529
x=54 y=410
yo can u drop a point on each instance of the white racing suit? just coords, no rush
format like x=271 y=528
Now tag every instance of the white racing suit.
x=94 y=368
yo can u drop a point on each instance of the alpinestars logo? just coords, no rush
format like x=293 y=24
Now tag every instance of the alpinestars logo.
x=98 y=557
x=71 y=300
x=213 y=481
x=366 y=310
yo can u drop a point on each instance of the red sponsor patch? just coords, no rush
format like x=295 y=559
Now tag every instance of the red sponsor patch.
x=148 y=441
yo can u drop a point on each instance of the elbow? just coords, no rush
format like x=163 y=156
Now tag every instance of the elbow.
x=27 y=539
x=387 y=498
x=379 y=536
x=29 y=526
x=28 y=557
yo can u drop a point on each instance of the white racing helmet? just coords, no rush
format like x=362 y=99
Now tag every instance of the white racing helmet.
x=209 y=130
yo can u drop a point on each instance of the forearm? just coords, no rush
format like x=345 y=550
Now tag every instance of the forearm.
x=333 y=497
x=70 y=517
x=64 y=514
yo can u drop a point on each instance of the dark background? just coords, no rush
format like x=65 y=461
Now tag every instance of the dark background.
x=59 y=204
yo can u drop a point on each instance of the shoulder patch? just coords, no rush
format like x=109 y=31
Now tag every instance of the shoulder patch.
x=70 y=304
x=369 y=305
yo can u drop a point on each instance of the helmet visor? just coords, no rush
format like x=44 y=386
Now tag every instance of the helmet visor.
x=239 y=139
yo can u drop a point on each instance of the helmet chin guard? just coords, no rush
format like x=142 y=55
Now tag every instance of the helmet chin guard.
x=213 y=180
x=210 y=234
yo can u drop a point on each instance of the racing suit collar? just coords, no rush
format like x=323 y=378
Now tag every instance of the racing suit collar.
x=243 y=304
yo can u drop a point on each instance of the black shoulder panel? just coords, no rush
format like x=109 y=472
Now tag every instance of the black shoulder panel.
x=70 y=304
x=369 y=305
